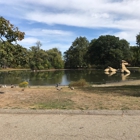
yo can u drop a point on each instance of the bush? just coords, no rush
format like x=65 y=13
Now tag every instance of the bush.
x=80 y=83
x=40 y=67
x=23 y=84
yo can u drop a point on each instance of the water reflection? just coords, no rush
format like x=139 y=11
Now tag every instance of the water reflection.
x=110 y=73
x=64 y=77
x=124 y=76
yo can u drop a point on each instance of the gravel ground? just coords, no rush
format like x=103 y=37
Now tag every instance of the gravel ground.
x=69 y=125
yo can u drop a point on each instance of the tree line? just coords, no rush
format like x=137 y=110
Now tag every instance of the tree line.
x=35 y=58
x=106 y=50
x=13 y=55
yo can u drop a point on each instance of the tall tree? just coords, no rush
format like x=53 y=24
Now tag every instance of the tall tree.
x=135 y=61
x=138 y=40
x=9 y=32
x=75 y=56
x=55 y=58
x=108 y=50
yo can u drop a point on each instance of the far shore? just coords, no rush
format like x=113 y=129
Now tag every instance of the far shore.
x=26 y=69
x=115 y=84
x=11 y=69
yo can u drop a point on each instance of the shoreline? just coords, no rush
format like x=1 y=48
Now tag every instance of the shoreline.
x=122 y=83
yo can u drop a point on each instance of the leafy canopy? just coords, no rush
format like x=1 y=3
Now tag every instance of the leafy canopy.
x=9 y=32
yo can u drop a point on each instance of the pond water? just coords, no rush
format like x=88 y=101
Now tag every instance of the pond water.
x=64 y=77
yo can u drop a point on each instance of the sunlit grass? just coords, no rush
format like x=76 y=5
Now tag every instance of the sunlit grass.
x=55 y=104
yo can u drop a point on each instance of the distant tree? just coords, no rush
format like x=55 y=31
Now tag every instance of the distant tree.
x=75 y=56
x=38 y=45
x=21 y=57
x=108 y=50
x=55 y=58
x=135 y=61
x=138 y=40
x=35 y=58
x=40 y=59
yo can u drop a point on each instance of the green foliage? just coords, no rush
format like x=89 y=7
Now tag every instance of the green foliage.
x=16 y=56
x=79 y=83
x=41 y=59
x=105 y=51
x=75 y=56
x=135 y=61
x=13 y=55
x=9 y=32
x=55 y=58
x=56 y=104
x=23 y=84
x=138 y=40
x=108 y=50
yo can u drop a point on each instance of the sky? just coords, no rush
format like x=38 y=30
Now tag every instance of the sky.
x=57 y=23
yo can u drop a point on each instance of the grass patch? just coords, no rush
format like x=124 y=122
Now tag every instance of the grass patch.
x=80 y=83
x=55 y=104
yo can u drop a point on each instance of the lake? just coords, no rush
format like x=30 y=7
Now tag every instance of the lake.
x=64 y=77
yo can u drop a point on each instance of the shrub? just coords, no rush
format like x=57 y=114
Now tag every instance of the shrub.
x=80 y=83
x=23 y=84
x=40 y=67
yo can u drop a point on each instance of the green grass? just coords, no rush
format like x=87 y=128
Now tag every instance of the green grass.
x=55 y=104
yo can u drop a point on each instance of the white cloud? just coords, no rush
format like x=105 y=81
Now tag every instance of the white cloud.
x=129 y=35
x=121 y=15
x=85 y=13
x=47 y=32
x=28 y=41
x=88 y=13
x=49 y=39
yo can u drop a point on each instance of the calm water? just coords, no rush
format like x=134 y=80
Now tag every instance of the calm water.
x=64 y=77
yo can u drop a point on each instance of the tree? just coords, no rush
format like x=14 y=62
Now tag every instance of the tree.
x=41 y=59
x=75 y=56
x=9 y=32
x=108 y=50
x=135 y=61
x=21 y=57
x=34 y=58
x=13 y=55
x=38 y=45
x=138 y=40
x=55 y=58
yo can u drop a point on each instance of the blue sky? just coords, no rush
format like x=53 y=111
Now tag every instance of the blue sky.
x=58 y=23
